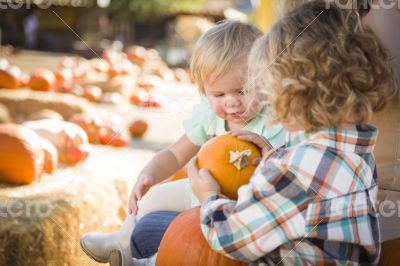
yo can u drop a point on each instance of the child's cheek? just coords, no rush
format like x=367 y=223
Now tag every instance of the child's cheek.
x=218 y=107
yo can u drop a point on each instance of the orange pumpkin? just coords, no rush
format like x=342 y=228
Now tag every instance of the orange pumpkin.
x=92 y=93
x=180 y=174
x=137 y=55
x=50 y=156
x=230 y=161
x=10 y=78
x=91 y=124
x=99 y=65
x=138 y=128
x=184 y=244
x=63 y=75
x=21 y=154
x=111 y=136
x=42 y=80
x=142 y=98
x=73 y=155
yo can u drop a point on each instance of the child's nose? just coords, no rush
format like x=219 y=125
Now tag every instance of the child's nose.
x=232 y=101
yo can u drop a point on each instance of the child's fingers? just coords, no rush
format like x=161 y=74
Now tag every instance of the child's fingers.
x=192 y=168
x=138 y=194
x=204 y=173
x=237 y=133
x=254 y=139
x=132 y=204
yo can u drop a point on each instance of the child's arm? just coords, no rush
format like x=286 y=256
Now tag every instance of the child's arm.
x=268 y=213
x=164 y=164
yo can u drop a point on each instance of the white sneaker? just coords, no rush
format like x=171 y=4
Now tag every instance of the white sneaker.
x=98 y=245
x=118 y=258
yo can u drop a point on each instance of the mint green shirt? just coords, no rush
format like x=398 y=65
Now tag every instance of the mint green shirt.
x=204 y=125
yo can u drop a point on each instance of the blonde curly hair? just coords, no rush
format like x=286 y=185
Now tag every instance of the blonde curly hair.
x=319 y=68
x=220 y=48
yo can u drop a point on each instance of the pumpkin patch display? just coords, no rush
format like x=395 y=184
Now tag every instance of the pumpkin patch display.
x=184 y=244
x=230 y=162
x=21 y=155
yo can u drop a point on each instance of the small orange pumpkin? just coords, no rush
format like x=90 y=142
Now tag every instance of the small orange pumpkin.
x=138 y=128
x=137 y=55
x=21 y=154
x=184 y=244
x=230 y=161
x=92 y=93
x=50 y=156
x=180 y=174
x=10 y=78
x=91 y=124
x=42 y=80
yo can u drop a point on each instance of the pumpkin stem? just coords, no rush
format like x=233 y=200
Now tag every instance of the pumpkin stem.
x=239 y=158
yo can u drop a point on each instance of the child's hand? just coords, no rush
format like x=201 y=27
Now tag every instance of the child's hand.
x=202 y=182
x=258 y=140
x=140 y=188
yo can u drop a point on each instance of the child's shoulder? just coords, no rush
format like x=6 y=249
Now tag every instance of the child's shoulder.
x=198 y=124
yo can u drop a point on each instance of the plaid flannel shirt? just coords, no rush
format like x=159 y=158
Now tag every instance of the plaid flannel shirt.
x=312 y=203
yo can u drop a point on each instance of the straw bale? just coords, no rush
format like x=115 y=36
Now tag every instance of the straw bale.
x=4 y=115
x=41 y=223
x=21 y=103
x=121 y=84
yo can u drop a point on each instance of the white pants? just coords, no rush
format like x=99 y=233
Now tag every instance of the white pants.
x=170 y=196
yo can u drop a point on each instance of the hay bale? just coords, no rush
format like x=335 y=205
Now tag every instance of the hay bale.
x=4 y=115
x=21 y=103
x=41 y=224
x=120 y=84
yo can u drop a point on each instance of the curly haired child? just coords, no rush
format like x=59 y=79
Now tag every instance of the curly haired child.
x=312 y=202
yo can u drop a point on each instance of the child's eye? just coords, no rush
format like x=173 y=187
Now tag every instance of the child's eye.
x=241 y=92
x=218 y=95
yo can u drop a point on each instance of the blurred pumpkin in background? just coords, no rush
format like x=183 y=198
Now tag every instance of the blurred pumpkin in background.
x=50 y=156
x=91 y=124
x=230 y=162
x=63 y=75
x=10 y=77
x=42 y=80
x=70 y=139
x=138 y=128
x=92 y=93
x=21 y=155
x=137 y=54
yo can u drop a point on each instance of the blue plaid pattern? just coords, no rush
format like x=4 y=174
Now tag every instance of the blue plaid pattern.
x=311 y=203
